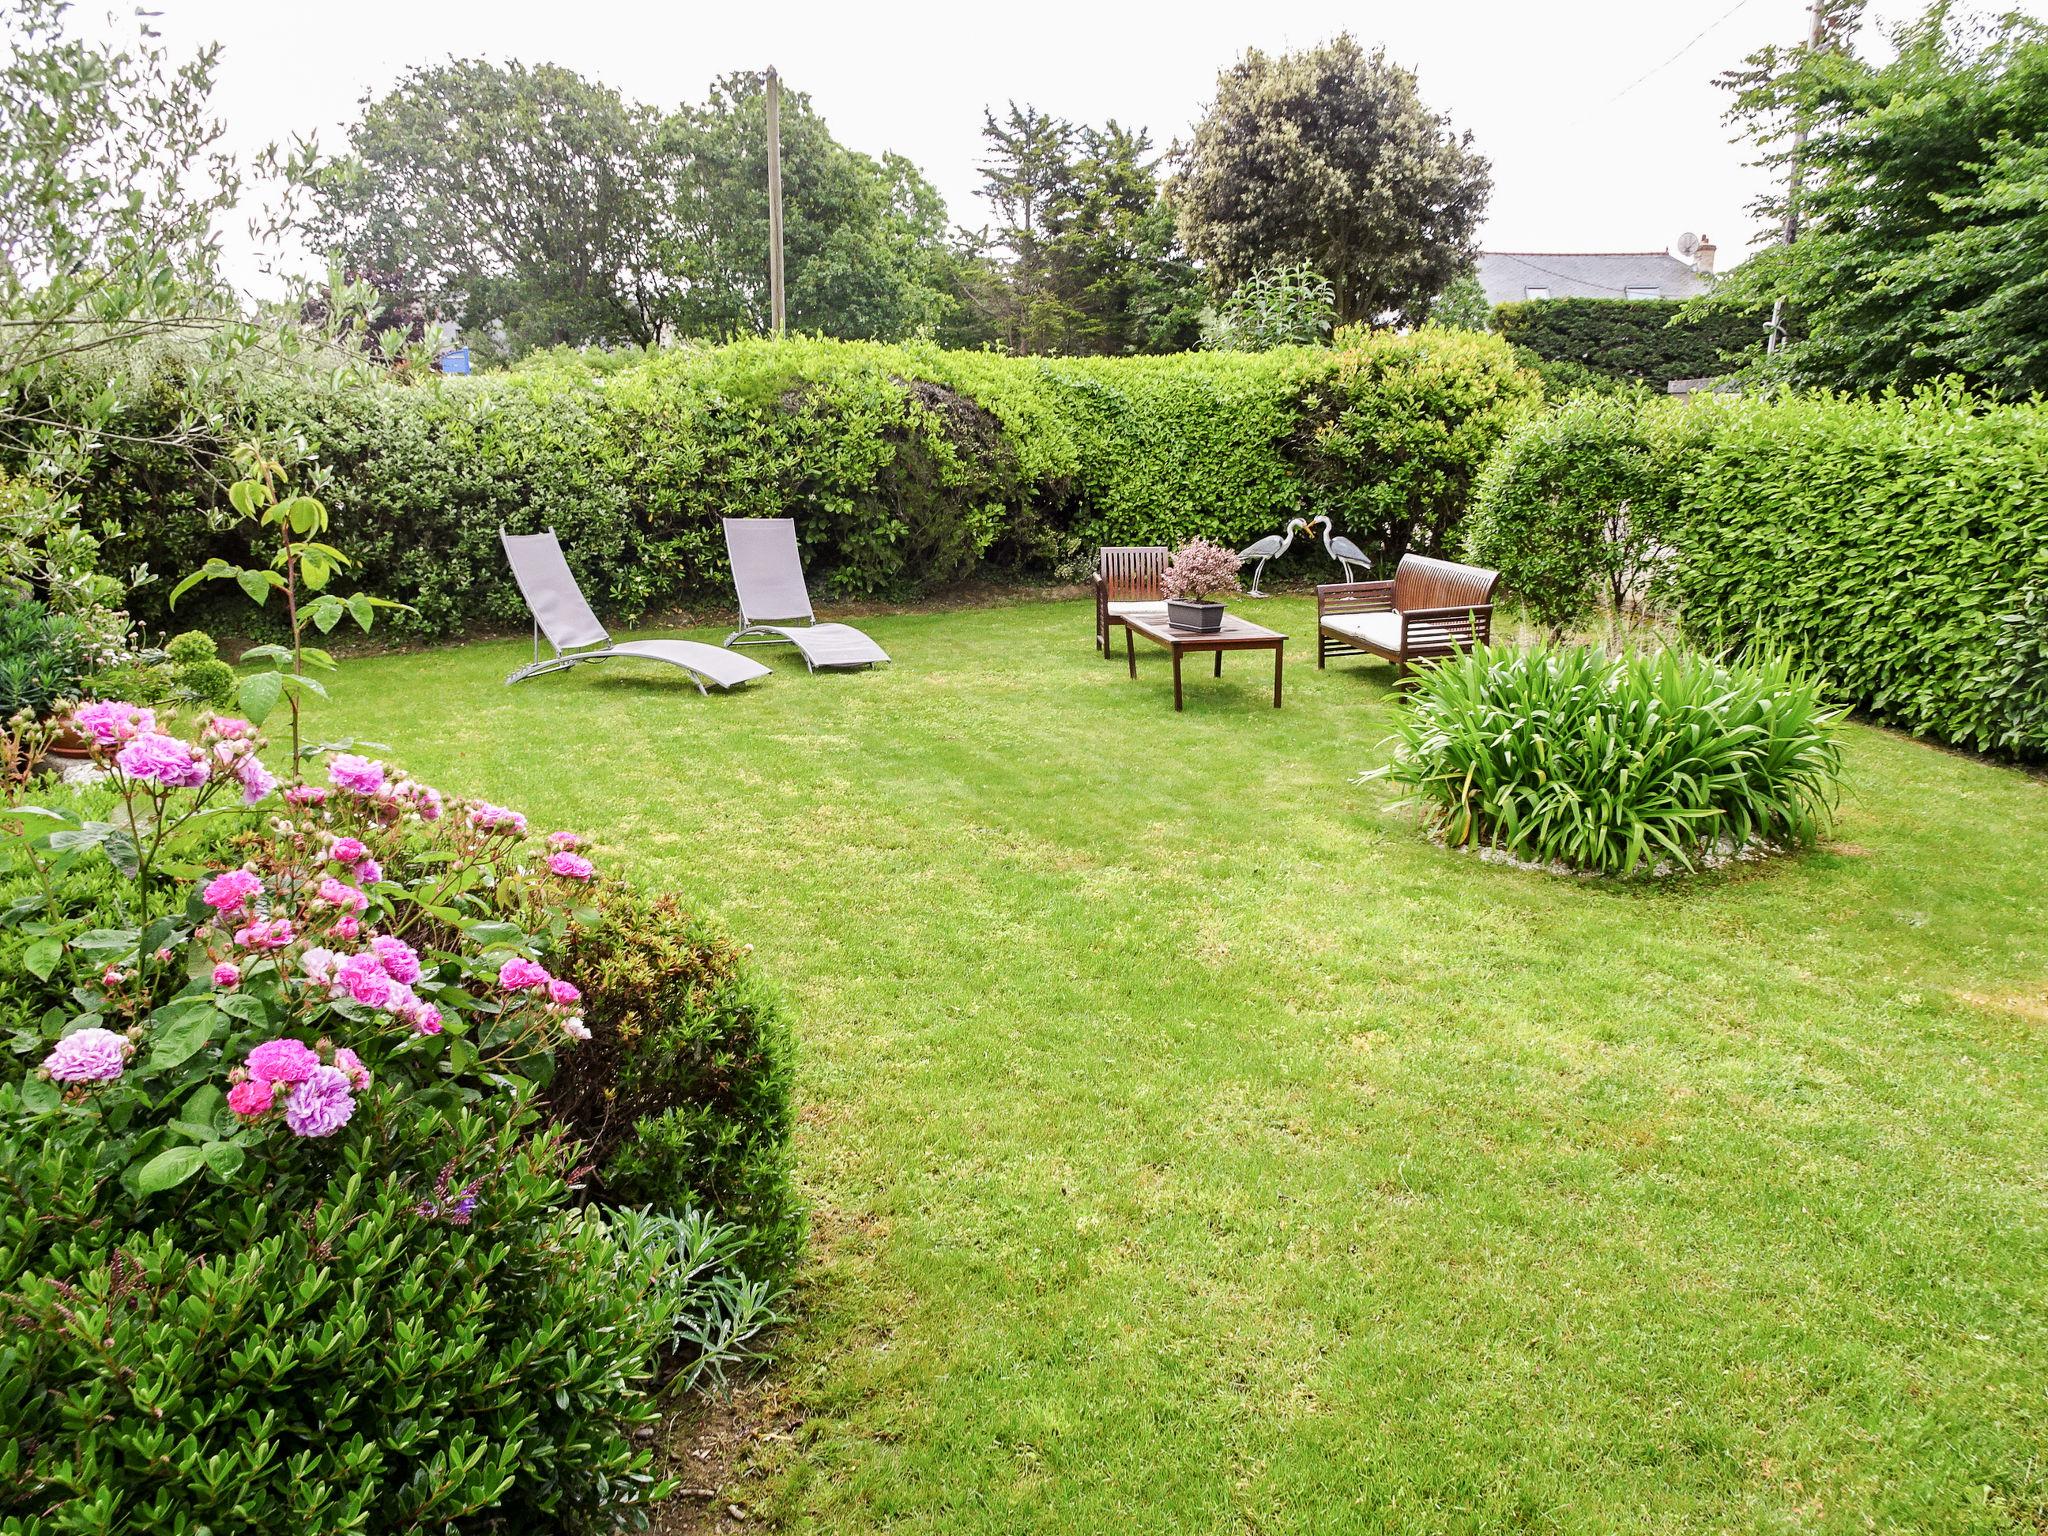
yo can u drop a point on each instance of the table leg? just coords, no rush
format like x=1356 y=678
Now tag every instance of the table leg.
x=1131 y=649
x=1278 y=652
x=1176 y=678
x=1219 y=663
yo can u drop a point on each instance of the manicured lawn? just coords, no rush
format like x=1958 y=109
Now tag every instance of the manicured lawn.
x=1198 y=1149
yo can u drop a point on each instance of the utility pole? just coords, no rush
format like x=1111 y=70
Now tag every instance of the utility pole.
x=778 y=314
x=1814 y=37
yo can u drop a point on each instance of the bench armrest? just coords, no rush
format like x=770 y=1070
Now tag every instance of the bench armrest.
x=1355 y=597
x=1475 y=619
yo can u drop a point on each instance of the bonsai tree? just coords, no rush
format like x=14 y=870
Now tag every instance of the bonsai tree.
x=1200 y=572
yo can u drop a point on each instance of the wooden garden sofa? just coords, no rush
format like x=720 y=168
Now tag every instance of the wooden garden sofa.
x=1127 y=581
x=1430 y=610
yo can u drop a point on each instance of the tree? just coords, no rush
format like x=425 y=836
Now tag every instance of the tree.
x=1331 y=157
x=1462 y=305
x=1921 y=204
x=1084 y=256
x=525 y=201
x=864 y=244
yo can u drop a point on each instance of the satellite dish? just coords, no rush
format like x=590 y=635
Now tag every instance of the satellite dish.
x=1688 y=243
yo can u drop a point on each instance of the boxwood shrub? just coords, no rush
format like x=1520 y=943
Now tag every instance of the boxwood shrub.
x=682 y=1093
x=906 y=467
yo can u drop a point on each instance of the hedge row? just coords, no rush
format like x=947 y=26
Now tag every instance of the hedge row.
x=1641 y=341
x=906 y=467
x=1892 y=543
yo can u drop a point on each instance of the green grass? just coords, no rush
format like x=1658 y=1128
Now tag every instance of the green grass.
x=1196 y=1148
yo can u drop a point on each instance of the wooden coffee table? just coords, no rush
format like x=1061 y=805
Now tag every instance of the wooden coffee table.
x=1235 y=635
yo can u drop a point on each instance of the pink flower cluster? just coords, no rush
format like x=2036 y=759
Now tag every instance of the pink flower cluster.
x=230 y=892
x=571 y=866
x=233 y=744
x=486 y=817
x=1201 y=570
x=90 y=1055
x=519 y=974
x=379 y=977
x=109 y=722
x=357 y=775
x=317 y=1097
x=164 y=760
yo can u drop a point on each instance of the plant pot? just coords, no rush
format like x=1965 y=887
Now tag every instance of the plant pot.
x=70 y=745
x=1203 y=618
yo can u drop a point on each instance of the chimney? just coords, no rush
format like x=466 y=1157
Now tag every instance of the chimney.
x=1703 y=256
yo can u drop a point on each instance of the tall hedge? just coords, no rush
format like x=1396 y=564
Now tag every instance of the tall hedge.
x=906 y=467
x=1645 y=341
x=1890 y=543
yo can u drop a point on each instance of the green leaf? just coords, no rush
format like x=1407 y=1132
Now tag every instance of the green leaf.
x=39 y=1096
x=173 y=1042
x=168 y=1169
x=259 y=695
x=248 y=497
x=223 y=1159
x=41 y=957
x=276 y=653
x=304 y=513
x=362 y=611
x=256 y=584
x=106 y=940
x=240 y=1005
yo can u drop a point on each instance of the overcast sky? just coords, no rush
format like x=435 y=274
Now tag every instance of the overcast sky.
x=1599 y=116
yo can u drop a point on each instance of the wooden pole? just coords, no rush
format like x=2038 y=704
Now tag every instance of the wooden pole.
x=778 y=314
x=1776 y=339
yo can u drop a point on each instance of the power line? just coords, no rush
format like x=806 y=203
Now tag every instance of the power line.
x=1660 y=68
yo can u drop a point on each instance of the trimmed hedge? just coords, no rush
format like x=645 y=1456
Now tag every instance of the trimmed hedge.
x=906 y=467
x=1884 y=542
x=1641 y=340
x=1898 y=547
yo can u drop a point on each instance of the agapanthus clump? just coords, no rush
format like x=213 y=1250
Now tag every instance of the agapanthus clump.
x=90 y=1055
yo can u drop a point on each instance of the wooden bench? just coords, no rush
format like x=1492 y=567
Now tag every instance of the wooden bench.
x=1127 y=582
x=1430 y=610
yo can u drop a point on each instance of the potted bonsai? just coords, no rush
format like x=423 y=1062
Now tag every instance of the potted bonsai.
x=1199 y=574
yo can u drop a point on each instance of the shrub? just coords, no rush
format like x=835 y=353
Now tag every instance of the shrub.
x=42 y=657
x=284 y=1242
x=1570 y=509
x=322 y=1346
x=1284 y=306
x=1641 y=341
x=683 y=1091
x=2020 y=683
x=904 y=466
x=1613 y=766
x=1200 y=572
x=1882 y=543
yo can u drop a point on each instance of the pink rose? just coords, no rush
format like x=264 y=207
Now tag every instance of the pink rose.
x=227 y=975
x=165 y=759
x=564 y=993
x=272 y=933
x=357 y=775
x=346 y=850
x=363 y=979
x=400 y=961
x=350 y=1066
x=252 y=1098
x=231 y=892
x=571 y=866
x=517 y=974
x=282 y=1061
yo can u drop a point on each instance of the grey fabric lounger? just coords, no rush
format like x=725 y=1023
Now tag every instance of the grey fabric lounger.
x=775 y=605
x=560 y=613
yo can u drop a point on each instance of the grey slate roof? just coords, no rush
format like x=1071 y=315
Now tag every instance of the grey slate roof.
x=1507 y=276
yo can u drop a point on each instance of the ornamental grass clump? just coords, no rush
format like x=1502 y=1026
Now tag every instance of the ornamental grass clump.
x=1617 y=765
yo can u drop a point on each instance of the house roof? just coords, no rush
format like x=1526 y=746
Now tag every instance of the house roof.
x=1508 y=276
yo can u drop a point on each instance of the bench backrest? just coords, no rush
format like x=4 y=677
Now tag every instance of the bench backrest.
x=1420 y=582
x=1130 y=573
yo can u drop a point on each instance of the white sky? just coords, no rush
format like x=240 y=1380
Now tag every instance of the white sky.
x=1588 y=153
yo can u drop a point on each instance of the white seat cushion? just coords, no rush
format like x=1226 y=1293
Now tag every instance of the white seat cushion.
x=1382 y=630
x=1138 y=610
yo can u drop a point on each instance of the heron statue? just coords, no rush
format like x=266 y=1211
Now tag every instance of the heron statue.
x=1271 y=547
x=1340 y=549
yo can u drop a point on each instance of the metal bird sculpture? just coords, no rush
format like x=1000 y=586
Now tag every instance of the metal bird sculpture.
x=1271 y=547
x=1342 y=550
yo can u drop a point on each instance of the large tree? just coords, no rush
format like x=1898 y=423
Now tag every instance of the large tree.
x=864 y=241
x=525 y=202
x=1331 y=157
x=1083 y=256
x=1922 y=205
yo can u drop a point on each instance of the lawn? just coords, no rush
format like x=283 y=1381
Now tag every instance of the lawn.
x=1196 y=1148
